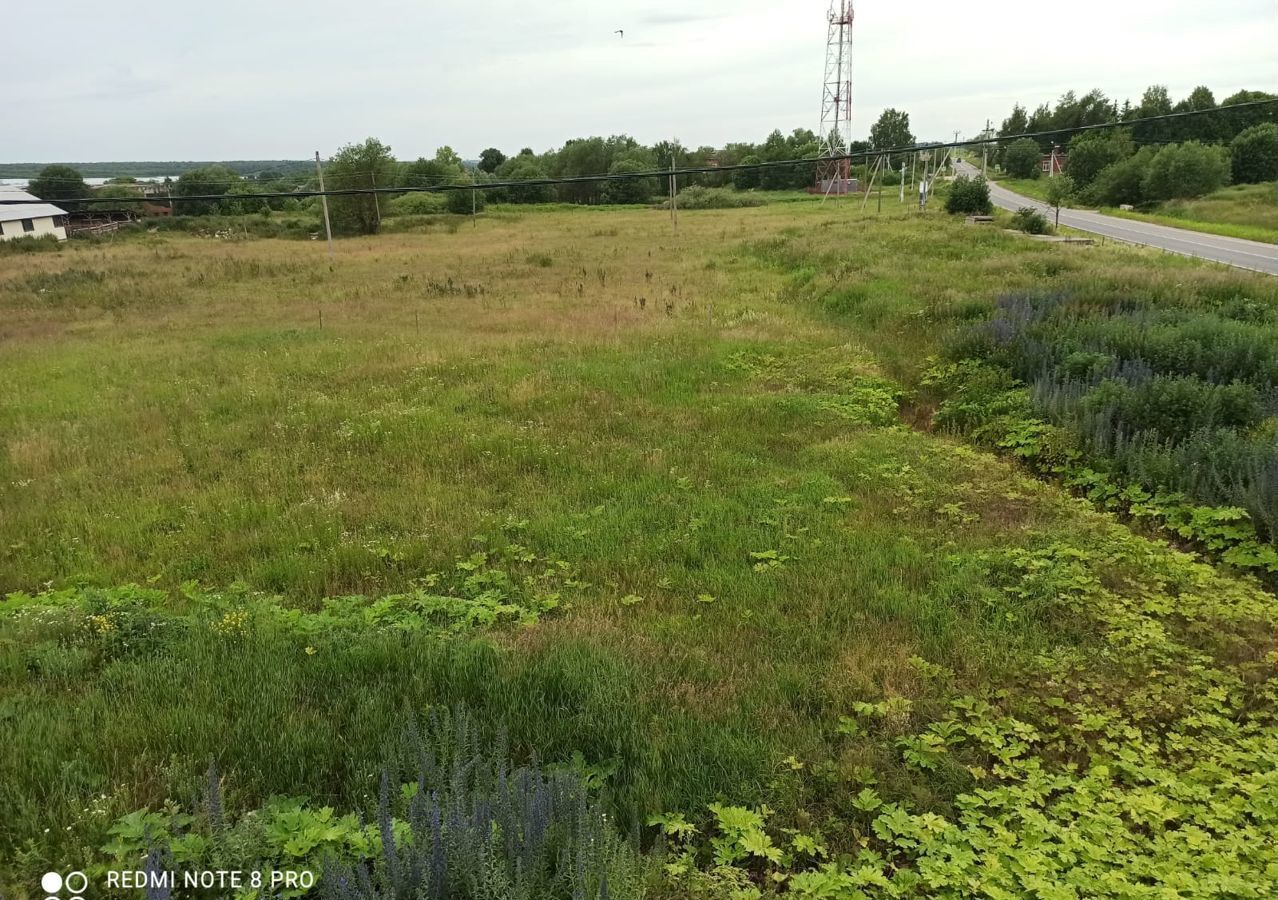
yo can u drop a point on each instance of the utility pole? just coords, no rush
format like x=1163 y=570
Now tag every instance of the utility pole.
x=985 y=148
x=674 y=197
x=372 y=177
x=880 y=191
x=473 y=212
x=902 y=181
x=328 y=227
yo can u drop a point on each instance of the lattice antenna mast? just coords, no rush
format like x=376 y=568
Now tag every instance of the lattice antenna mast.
x=836 y=100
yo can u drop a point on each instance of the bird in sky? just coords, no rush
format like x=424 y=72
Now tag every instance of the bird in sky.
x=620 y=31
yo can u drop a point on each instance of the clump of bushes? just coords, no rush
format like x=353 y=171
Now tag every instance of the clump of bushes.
x=1122 y=182
x=1030 y=221
x=274 y=226
x=416 y=204
x=1183 y=170
x=1172 y=398
x=1109 y=172
x=463 y=203
x=1254 y=154
x=700 y=197
x=46 y=243
x=465 y=823
x=969 y=196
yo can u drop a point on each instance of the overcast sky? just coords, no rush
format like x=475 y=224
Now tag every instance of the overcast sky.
x=266 y=79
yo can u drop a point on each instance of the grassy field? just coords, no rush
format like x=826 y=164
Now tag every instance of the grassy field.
x=1242 y=210
x=1248 y=211
x=664 y=511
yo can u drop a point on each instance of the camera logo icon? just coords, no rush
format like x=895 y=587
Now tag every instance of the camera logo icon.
x=76 y=884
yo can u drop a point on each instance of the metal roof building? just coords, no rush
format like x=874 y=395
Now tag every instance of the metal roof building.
x=30 y=219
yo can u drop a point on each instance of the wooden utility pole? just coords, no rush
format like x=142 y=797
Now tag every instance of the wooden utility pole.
x=985 y=148
x=372 y=177
x=880 y=191
x=328 y=227
x=674 y=197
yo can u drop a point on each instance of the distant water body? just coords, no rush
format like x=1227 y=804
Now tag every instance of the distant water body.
x=91 y=182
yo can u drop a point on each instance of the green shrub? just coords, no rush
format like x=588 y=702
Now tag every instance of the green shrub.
x=629 y=190
x=464 y=202
x=1190 y=169
x=1173 y=407
x=418 y=204
x=46 y=243
x=1123 y=182
x=1030 y=221
x=453 y=818
x=523 y=168
x=747 y=179
x=1090 y=153
x=969 y=196
x=698 y=197
x=1168 y=393
x=1254 y=154
x=1023 y=159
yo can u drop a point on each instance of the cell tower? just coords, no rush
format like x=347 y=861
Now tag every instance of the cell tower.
x=836 y=101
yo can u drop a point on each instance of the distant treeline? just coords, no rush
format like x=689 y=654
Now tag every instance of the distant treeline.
x=143 y=168
x=1154 y=159
x=1094 y=108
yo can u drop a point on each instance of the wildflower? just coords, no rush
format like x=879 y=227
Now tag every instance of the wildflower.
x=232 y=623
x=101 y=624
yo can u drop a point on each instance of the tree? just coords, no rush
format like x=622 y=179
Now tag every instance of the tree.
x=629 y=190
x=891 y=131
x=1154 y=102
x=490 y=160
x=1186 y=170
x=214 y=179
x=1090 y=152
x=1059 y=190
x=969 y=196
x=1123 y=182
x=447 y=156
x=464 y=202
x=669 y=151
x=1254 y=154
x=525 y=168
x=747 y=179
x=366 y=165
x=59 y=183
x=1235 y=121
x=1016 y=123
x=1196 y=128
x=1022 y=159
x=1042 y=119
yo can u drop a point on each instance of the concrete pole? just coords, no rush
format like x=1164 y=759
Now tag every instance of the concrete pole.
x=328 y=227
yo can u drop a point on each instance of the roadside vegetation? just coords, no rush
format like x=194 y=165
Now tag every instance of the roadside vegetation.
x=803 y=551
x=1212 y=173
x=1247 y=211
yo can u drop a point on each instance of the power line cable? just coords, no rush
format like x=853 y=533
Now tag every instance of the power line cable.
x=658 y=173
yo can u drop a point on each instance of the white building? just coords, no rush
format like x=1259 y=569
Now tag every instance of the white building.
x=29 y=219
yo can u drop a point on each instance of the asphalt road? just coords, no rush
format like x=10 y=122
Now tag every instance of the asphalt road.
x=1254 y=255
